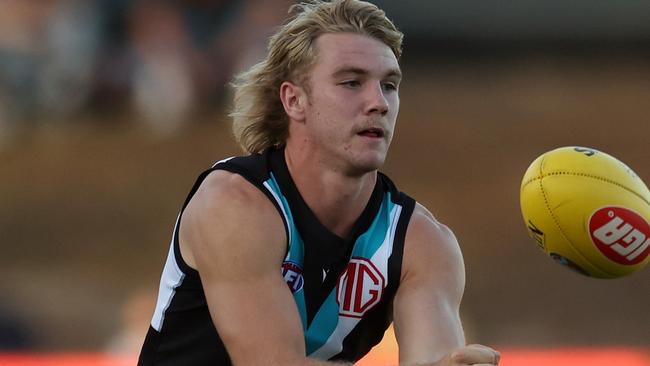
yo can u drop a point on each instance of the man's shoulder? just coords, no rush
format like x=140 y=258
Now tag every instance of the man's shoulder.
x=227 y=208
x=430 y=246
x=223 y=188
x=424 y=225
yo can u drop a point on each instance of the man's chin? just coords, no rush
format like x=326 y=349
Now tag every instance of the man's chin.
x=368 y=164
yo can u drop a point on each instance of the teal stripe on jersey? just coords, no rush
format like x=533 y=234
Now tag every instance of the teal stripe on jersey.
x=371 y=240
x=327 y=317
x=272 y=184
x=296 y=245
x=323 y=324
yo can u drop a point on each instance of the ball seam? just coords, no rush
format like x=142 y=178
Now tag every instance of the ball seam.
x=556 y=222
x=588 y=176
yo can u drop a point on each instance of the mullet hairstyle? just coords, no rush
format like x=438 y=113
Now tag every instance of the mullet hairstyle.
x=259 y=118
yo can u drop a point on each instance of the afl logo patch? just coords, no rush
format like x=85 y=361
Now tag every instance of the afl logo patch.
x=292 y=274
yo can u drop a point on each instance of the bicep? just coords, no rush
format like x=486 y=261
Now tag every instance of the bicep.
x=426 y=306
x=237 y=240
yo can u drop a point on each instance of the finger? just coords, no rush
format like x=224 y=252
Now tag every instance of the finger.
x=476 y=354
x=496 y=356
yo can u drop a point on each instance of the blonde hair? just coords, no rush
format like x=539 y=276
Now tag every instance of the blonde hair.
x=259 y=119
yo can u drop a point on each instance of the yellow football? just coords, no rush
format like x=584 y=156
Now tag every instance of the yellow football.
x=588 y=211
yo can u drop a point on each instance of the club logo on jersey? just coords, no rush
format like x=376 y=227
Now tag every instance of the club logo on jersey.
x=292 y=274
x=622 y=235
x=360 y=287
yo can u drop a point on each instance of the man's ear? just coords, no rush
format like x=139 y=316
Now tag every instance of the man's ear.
x=294 y=99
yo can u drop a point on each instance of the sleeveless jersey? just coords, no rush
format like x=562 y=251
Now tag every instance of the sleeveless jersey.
x=343 y=287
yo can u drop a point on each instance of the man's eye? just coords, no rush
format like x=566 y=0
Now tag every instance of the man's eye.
x=389 y=86
x=351 y=83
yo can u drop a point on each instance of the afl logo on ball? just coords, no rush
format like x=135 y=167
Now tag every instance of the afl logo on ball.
x=292 y=274
x=622 y=235
x=360 y=287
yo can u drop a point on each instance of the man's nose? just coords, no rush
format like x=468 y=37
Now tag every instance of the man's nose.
x=377 y=102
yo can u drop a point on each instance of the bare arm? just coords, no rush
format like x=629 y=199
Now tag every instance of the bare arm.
x=232 y=234
x=426 y=311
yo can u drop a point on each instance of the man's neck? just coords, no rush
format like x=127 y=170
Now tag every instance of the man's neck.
x=335 y=198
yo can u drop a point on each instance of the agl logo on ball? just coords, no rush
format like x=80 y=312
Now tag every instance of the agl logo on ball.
x=620 y=234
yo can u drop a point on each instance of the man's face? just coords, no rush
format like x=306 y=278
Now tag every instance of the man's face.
x=353 y=100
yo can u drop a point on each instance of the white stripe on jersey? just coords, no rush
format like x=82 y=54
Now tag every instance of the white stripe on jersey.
x=223 y=161
x=380 y=258
x=171 y=278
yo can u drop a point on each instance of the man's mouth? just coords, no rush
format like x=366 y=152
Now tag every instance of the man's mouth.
x=372 y=132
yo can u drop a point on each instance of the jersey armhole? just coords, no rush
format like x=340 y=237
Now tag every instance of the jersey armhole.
x=258 y=182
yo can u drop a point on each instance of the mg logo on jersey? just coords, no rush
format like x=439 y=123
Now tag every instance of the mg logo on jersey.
x=292 y=274
x=622 y=235
x=360 y=287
